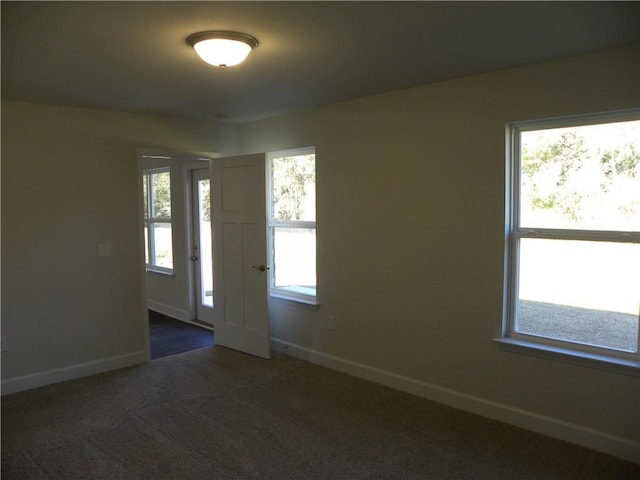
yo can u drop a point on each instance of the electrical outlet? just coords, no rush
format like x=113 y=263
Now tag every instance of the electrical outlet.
x=331 y=322
x=4 y=346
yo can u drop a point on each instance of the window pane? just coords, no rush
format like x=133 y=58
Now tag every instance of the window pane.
x=295 y=258
x=294 y=188
x=206 y=262
x=146 y=244
x=162 y=245
x=580 y=291
x=145 y=179
x=161 y=195
x=584 y=177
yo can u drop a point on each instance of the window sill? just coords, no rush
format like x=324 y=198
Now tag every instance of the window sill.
x=157 y=271
x=612 y=364
x=284 y=299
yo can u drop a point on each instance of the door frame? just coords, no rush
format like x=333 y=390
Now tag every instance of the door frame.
x=184 y=160
x=187 y=160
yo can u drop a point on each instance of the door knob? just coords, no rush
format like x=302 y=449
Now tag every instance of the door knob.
x=260 y=268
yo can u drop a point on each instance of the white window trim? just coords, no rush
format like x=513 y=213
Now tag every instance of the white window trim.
x=162 y=271
x=150 y=267
x=286 y=294
x=561 y=350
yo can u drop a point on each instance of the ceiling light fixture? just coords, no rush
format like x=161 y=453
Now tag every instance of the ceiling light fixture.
x=221 y=48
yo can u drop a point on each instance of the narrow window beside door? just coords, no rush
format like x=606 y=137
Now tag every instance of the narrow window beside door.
x=201 y=255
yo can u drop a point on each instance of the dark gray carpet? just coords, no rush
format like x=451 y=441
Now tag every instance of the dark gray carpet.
x=218 y=414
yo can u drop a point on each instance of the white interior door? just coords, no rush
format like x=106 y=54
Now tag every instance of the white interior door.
x=201 y=252
x=238 y=206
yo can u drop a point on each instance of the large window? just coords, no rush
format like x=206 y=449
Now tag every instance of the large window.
x=574 y=237
x=292 y=224
x=156 y=186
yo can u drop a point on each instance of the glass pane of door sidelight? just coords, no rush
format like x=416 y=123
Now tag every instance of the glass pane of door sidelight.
x=204 y=223
x=202 y=246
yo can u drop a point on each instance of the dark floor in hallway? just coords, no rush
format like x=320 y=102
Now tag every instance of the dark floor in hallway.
x=169 y=336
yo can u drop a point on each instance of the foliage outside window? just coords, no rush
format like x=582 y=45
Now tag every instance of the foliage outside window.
x=292 y=224
x=574 y=236
x=156 y=187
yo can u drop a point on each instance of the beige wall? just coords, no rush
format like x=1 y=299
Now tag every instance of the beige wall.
x=69 y=183
x=410 y=218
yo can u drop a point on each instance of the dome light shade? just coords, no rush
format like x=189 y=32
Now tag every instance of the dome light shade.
x=221 y=48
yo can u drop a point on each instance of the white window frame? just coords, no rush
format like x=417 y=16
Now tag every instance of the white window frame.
x=149 y=221
x=510 y=339
x=301 y=296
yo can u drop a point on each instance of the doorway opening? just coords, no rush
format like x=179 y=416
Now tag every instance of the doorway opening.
x=216 y=202
x=175 y=222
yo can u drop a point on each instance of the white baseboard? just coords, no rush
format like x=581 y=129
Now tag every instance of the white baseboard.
x=40 y=379
x=552 y=427
x=169 y=311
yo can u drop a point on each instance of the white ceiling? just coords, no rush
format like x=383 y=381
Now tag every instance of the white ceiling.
x=132 y=56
